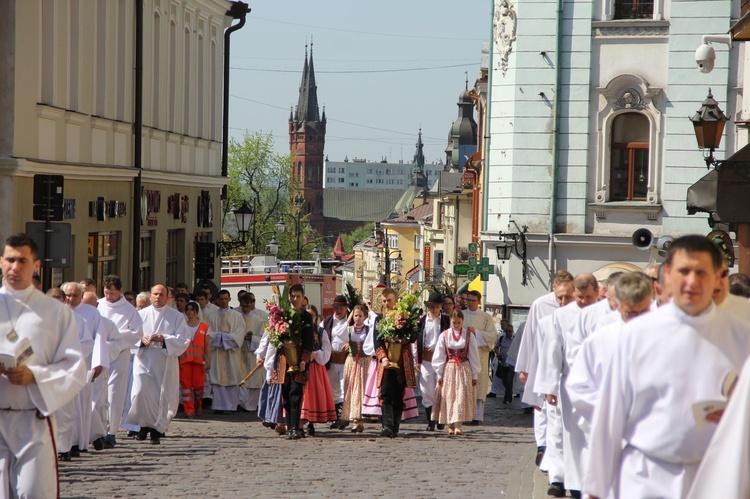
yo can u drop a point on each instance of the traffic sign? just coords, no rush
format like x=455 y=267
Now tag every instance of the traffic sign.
x=59 y=250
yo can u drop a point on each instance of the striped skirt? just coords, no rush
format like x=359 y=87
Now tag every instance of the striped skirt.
x=455 y=401
x=355 y=381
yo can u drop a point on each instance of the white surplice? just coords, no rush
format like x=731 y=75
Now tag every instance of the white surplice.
x=339 y=337
x=129 y=324
x=584 y=326
x=226 y=330
x=551 y=376
x=26 y=441
x=737 y=306
x=156 y=371
x=427 y=375
x=553 y=461
x=528 y=351
x=725 y=468
x=109 y=335
x=486 y=334
x=644 y=441
x=255 y=321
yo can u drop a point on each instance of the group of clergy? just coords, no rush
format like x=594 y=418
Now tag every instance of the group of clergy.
x=631 y=376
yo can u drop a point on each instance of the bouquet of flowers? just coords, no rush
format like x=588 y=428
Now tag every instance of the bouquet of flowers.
x=284 y=323
x=401 y=322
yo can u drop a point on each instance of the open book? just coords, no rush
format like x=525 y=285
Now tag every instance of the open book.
x=20 y=355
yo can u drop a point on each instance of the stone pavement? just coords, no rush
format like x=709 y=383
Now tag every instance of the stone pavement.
x=233 y=455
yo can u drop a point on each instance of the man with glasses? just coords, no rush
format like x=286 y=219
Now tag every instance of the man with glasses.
x=255 y=322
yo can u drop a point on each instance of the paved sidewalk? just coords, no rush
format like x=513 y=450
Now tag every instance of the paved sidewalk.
x=234 y=456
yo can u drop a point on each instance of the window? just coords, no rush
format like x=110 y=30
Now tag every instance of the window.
x=634 y=9
x=145 y=277
x=174 y=254
x=630 y=157
x=393 y=241
x=341 y=170
x=418 y=242
x=103 y=252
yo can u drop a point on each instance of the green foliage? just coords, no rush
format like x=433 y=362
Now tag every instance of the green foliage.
x=357 y=235
x=262 y=178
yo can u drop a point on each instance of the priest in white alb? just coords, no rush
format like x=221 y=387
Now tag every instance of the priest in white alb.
x=226 y=329
x=553 y=372
x=482 y=324
x=32 y=391
x=115 y=307
x=156 y=370
x=255 y=322
x=649 y=430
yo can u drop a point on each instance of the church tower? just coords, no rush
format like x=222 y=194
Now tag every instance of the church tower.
x=307 y=133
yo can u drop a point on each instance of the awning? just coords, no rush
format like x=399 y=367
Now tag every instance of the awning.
x=741 y=29
x=701 y=196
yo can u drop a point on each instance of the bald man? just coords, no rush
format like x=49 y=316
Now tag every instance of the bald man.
x=156 y=370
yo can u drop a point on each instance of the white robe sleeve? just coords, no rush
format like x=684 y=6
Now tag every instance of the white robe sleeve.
x=474 y=360
x=582 y=386
x=86 y=337
x=608 y=426
x=440 y=356
x=100 y=356
x=260 y=351
x=550 y=361
x=131 y=332
x=179 y=339
x=58 y=382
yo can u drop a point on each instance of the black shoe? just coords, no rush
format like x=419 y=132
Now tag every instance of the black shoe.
x=64 y=456
x=75 y=451
x=440 y=426
x=475 y=422
x=311 y=430
x=132 y=434
x=540 y=454
x=155 y=440
x=110 y=441
x=491 y=395
x=556 y=489
x=334 y=425
x=291 y=435
x=142 y=434
x=431 y=426
x=98 y=443
x=342 y=423
x=387 y=432
x=575 y=493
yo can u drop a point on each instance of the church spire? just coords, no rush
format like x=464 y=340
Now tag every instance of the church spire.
x=307 y=105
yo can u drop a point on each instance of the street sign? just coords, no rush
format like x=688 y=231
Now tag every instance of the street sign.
x=54 y=212
x=473 y=247
x=461 y=269
x=59 y=250
x=484 y=269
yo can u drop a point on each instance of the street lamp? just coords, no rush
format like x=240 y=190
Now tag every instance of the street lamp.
x=244 y=216
x=381 y=237
x=298 y=230
x=708 y=124
x=273 y=246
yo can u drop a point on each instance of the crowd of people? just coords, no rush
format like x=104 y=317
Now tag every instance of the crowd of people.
x=628 y=379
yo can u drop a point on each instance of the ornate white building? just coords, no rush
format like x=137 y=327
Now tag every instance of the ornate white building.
x=589 y=131
x=67 y=108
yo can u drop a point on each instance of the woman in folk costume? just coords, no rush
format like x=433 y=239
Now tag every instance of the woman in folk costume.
x=355 y=370
x=270 y=408
x=194 y=363
x=317 y=404
x=457 y=364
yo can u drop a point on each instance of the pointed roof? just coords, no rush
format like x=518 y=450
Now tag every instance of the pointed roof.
x=307 y=105
x=418 y=177
x=338 y=248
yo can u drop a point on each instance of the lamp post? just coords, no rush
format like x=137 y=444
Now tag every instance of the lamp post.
x=381 y=237
x=244 y=217
x=297 y=223
x=708 y=124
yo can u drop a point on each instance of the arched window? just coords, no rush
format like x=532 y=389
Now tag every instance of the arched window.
x=299 y=170
x=629 y=168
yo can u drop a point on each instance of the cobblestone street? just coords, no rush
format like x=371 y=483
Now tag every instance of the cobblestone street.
x=233 y=455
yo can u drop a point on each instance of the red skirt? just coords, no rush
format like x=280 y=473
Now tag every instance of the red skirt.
x=317 y=402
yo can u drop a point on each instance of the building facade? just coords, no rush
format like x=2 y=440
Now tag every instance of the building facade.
x=589 y=136
x=67 y=108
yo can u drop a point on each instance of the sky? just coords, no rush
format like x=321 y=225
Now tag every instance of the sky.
x=383 y=70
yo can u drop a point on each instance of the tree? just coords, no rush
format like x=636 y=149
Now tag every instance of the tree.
x=355 y=236
x=262 y=178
